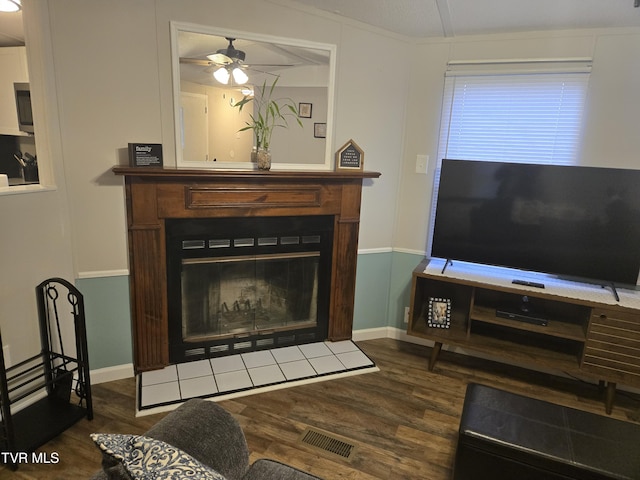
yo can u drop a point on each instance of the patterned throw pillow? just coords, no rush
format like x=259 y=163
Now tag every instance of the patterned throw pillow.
x=148 y=459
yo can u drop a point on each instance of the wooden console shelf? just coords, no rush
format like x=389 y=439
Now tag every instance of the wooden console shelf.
x=595 y=338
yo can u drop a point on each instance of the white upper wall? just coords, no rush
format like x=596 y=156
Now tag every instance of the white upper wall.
x=113 y=68
x=35 y=233
x=612 y=114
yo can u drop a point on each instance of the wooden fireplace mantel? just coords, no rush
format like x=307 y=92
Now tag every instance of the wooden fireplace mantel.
x=154 y=195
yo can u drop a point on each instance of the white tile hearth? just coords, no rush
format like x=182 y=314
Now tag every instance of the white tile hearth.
x=235 y=375
x=297 y=369
x=231 y=363
x=287 y=354
x=232 y=381
x=200 y=368
x=267 y=375
x=313 y=350
x=258 y=359
x=326 y=364
x=352 y=359
x=155 y=377
x=198 y=387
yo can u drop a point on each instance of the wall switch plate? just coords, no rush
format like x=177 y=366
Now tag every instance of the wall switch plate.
x=406 y=314
x=422 y=162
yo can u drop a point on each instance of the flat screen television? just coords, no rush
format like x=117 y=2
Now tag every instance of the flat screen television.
x=579 y=223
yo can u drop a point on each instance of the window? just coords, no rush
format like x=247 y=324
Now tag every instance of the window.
x=512 y=111
x=516 y=112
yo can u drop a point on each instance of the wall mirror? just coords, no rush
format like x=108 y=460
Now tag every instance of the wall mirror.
x=207 y=123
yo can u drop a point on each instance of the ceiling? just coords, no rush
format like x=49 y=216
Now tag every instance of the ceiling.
x=11 y=31
x=435 y=18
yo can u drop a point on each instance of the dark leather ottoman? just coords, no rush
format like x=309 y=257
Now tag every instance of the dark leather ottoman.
x=508 y=436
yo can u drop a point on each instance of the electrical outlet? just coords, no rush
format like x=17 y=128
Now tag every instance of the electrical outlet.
x=422 y=162
x=406 y=314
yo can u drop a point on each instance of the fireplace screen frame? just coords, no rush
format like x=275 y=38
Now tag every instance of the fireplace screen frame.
x=190 y=241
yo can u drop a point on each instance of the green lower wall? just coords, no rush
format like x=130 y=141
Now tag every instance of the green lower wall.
x=106 y=303
x=372 y=290
x=400 y=286
x=383 y=284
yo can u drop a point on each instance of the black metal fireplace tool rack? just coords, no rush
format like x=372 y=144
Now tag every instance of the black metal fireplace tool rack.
x=42 y=384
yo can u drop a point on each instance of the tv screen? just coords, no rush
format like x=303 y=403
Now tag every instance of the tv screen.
x=571 y=221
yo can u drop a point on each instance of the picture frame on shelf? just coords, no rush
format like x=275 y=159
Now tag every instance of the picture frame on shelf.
x=350 y=157
x=304 y=110
x=145 y=154
x=439 y=312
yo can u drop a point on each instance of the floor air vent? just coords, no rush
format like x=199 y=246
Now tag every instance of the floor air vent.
x=328 y=443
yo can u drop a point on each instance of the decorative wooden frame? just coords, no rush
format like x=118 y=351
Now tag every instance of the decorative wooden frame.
x=154 y=196
x=350 y=157
x=320 y=130
x=439 y=312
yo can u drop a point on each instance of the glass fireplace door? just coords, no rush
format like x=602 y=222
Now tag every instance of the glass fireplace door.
x=255 y=294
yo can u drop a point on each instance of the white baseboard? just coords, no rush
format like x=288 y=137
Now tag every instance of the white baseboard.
x=388 y=332
x=109 y=374
x=102 y=274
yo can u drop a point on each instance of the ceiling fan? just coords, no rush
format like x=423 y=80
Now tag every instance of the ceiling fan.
x=227 y=63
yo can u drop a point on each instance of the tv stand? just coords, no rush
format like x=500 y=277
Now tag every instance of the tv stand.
x=585 y=335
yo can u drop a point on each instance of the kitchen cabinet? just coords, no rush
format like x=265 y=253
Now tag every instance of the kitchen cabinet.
x=13 y=68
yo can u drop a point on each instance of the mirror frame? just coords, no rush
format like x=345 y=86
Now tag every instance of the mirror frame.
x=177 y=27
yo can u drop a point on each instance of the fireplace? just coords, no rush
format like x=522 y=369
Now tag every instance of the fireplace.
x=244 y=284
x=165 y=203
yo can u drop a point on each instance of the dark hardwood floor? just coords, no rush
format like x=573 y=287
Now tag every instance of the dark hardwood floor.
x=403 y=419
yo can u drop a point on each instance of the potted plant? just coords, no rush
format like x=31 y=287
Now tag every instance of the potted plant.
x=268 y=114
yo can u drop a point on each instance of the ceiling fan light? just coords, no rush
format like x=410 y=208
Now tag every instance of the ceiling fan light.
x=9 y=5
x=222 y=75
x=239 y=76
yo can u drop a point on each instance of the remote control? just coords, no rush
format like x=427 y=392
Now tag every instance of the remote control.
x=528 y=284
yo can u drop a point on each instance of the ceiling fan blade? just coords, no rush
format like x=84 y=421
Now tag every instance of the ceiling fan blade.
x=220 y=58
x=262 y=71
x=195 y=61
x=265 y=65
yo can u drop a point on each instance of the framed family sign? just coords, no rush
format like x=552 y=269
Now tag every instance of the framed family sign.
x=145 y=154
x=350 y=157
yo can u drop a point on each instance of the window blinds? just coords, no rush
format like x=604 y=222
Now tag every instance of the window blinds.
x=519 y=113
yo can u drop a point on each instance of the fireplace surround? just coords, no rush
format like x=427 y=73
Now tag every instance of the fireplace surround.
x=158 y=199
